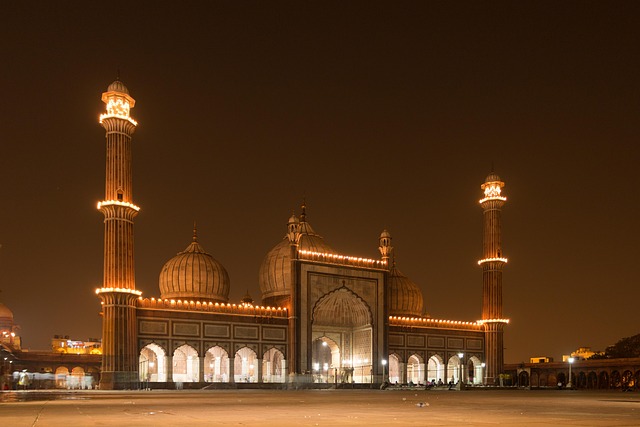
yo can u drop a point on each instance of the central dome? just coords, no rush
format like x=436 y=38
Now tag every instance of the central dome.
x=275 y=271
x=195 y=275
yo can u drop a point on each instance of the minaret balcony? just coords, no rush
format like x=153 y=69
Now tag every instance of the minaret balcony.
x=485 y=260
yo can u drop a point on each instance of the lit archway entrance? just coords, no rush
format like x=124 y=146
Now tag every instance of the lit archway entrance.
x=394 y=369
x=61 y=377
x=435 y=369
x=216 y=365
x=76 y=379
x=186 y=364
x=415 y=370
x=273 y=366
x=474 y=371
x=326 y=365
x=342 y=320
x=453 y=369
x=244 y=366
x=152 y=364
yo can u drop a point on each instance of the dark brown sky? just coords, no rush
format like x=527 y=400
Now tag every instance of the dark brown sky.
x=386 y=115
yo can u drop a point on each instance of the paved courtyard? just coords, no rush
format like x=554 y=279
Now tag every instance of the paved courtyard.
x=320 y=408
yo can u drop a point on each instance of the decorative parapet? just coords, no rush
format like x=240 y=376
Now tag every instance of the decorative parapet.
x=341 y=259
x=428 y=322
x=211 y=307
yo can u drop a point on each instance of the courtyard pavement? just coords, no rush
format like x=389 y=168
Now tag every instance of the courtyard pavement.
x=320 y=408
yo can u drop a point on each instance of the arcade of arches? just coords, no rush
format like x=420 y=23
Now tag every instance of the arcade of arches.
x=585 y=374
x=413 y=370
x=215 y=366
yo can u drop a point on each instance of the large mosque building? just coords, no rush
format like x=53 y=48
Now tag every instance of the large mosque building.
x=324 y=317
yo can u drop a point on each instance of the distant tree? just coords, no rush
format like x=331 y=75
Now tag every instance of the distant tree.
x=598 y=356
x=626 y=347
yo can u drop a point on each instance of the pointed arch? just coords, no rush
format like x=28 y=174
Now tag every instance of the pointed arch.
x=186 y=364
x=244 y=366
x=216 y=365
x=435 y=369
x=273 y=366
x=152 y=363
x=454 y=366
x=341 y=306
x=415 y=369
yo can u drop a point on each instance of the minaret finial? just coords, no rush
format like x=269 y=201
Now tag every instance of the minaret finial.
x=303 y=214
x=195 y=231
x=118 y=73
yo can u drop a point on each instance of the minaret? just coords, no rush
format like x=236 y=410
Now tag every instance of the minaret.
x=118 y=292
x=492 y=263
x=293 y=235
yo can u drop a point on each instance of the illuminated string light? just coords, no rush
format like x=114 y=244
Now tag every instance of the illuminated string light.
x=482 y=261
x=120 y=290
x=426 y=321
x=244 y=308
x=118 y=203
x=340 y=258
x=492 y=192
x=119 y=108
x=482 y=322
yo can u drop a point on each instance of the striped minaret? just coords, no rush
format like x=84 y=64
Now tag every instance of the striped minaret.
x=118 y=292
x=492 y=263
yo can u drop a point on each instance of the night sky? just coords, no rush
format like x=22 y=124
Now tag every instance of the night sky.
x=383 y=115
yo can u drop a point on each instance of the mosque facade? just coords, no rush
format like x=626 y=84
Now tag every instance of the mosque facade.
x=324 y=317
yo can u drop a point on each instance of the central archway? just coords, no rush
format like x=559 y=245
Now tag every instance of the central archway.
x=342 y=332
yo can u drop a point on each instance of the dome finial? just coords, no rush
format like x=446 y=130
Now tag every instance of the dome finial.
x=195 y=231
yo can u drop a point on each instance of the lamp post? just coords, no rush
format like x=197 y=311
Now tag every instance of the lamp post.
x=570 y=360
x=461 y=378
x=384 y=365
x=483 y=378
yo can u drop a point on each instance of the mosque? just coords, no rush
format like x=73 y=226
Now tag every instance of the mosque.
x=324 y=317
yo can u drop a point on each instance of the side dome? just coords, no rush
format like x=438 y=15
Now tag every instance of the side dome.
x=194 y=275
x=6 y=318
x=5 y=313
x=405 y=297
x=275 y=272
